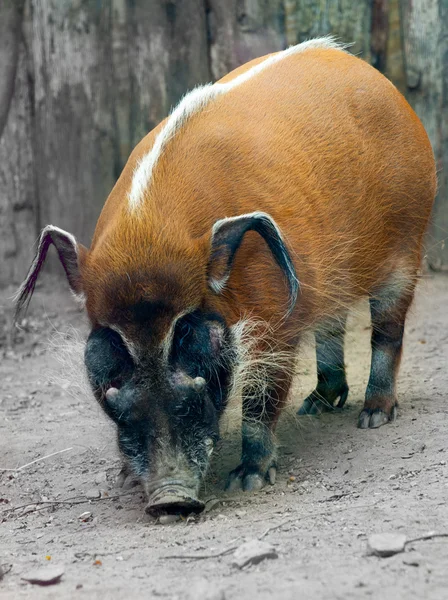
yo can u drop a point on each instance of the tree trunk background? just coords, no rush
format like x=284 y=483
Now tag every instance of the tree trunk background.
x=84 y=80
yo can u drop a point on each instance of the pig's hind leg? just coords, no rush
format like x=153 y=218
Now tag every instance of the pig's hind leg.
x=331 y=379
x=388 y=309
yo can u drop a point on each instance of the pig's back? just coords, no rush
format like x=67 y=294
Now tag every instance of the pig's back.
x=319 y=140
x=326 y=145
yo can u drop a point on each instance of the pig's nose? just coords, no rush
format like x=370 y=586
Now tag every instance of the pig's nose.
x=173 y=498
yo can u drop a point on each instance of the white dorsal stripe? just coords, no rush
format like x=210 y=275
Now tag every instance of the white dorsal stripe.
x=194 y=102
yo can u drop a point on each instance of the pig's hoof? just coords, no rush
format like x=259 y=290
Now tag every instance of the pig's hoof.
x=126 y=480
x=122 y=476
x=319 y=402
x=374 y=418
x=250 y=479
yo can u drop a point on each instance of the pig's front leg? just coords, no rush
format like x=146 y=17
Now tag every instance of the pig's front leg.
x=259 y=452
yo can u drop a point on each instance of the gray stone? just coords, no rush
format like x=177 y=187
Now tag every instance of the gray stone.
x=101 y=477
x=46 y=575
x=386 y=544
x=93 y=494
x=85 y=516
x=252 y=553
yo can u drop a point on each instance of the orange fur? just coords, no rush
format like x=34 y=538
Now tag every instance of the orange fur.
x=323 y=143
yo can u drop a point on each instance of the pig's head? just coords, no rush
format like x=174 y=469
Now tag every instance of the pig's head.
x=165 y=401
x=160 y=357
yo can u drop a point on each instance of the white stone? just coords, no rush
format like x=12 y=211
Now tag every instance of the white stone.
x=101 y=477
x=85 y=516
x=253 y=552
x=93 y=494
x=386 y=544
x=46 y=575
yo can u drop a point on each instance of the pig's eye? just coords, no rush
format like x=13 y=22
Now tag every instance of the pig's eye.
x=107 y=360
x=192 y=343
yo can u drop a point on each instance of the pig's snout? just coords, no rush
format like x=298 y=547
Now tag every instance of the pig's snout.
x=173 y=498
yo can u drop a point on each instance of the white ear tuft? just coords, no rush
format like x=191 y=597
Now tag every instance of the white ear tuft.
x=69 y=252
x=227 y=235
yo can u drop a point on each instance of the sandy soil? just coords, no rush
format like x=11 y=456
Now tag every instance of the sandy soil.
x=336 y=486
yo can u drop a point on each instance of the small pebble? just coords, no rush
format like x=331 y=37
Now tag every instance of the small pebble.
x=93 y=494
x=101 y=477
x=386 y=544
x=45 y=576
x=252 y=553
x=85 y=516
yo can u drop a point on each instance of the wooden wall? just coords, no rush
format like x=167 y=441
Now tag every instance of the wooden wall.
x=84 y=80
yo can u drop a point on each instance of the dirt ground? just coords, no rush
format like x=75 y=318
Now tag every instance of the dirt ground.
x=336 y=485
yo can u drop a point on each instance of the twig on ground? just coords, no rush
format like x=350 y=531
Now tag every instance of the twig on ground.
x=37 y=460
x=4 y=570
x=43 y=504
x=427 y=536
x=316 y=514
x=335 y=497
x=268 y=530
x=39 y=503
x=202 y=556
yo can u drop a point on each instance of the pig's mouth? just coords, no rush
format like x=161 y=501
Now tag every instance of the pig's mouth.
x=173 y=498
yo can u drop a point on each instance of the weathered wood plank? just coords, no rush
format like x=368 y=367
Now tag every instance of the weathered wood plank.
x=394 y=57
x=11 y=12
x=104 y=75
x=425 y=41
x=379 y=34
x=167 y=55
x=346 y=19
x=17 y=198
x=74 y=130
x=241 y=30
x=84 y=81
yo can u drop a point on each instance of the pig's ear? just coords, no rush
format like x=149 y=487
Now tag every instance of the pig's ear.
x=227 y=235
x=71 y=255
